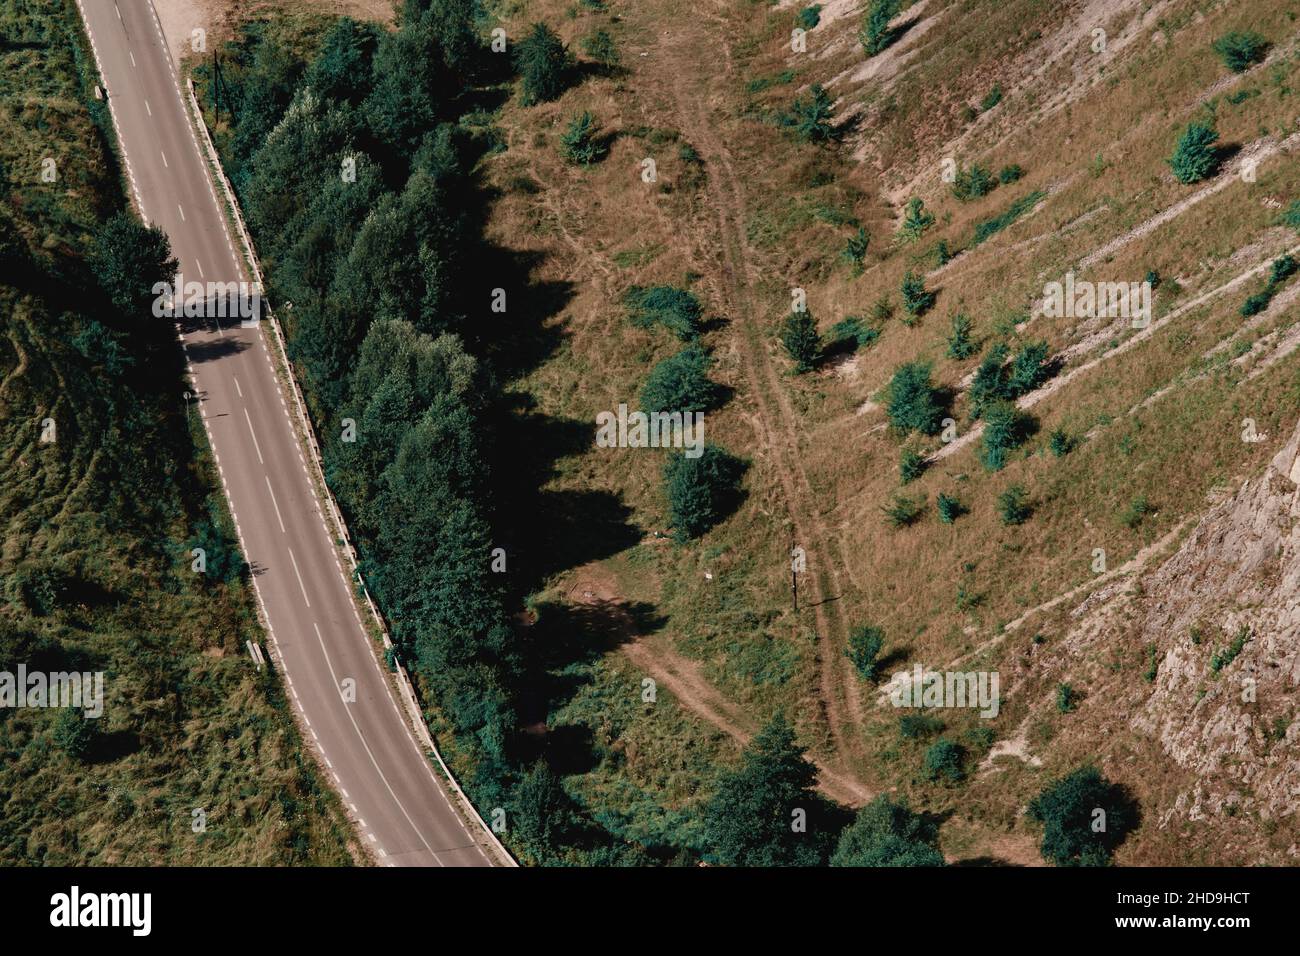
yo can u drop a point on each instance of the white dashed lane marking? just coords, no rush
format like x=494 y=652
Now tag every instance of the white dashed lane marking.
x=256 y=446
x=273 y=504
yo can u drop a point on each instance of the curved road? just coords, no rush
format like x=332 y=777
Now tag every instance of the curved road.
x=400 y=808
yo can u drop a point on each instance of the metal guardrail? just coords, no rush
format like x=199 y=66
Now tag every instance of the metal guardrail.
x=405 y=687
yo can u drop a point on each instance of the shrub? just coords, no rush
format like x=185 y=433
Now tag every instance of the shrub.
x=1138 y=509
x=990 y=382
x=914 y=403
x=809 y=17
x=1283 y=269
x=600 y=47
x=991 y=227
x=943 y=759
x=810 y=118
x=1066 y=698
x=1256 y=303
x=950 y=509
x=1291 y=217
x=917 y=726
x=916 y=220
x=1005 y=429
x=855 y=251
x=543 y=64
x=911 y=466
x=903 y=511
x=1195 y=157
x=702 y=490
x=1010 y=174
x=680 y=383
x=1068 y=811
x=1060 y=443
x=886 y=833
x=73 y=733
x=1029 y=369
x=1240 y=51
x=853 y=331
x=875 y=35
x=973 y=183
x=960 y=343
x=1013 y=505
x=801 y=341
x=991 y=99
x=581 y=143
x=1153 y=667
x=675 y=309
x=916 y=301
x=865 y=645
x=1221 y=659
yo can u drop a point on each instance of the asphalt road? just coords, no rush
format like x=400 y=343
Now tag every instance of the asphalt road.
x=384 y=778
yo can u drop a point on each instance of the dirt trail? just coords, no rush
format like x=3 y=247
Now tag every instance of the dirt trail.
x=678 y=59
x=596 y=587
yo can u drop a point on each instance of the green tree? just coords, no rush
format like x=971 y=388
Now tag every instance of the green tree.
x=74 y=733
x=1029 y=369
x=875 y=35
x=543 y=64
x=903 y=511
x=1240 y=51
x=911 y=466
x=950 y=508
x=1060 y=442
x=914 y=403
x=916 y=300
x=581 y=142
x=542 y=812
x=960 y=343
x=1195 y=157
x=810 y=117
x=128 y=259
x=749 y=821
x=1005 y=429
x=865 y=644
x=973 y=183
x=681 y=383
x=701 y=490
x=1084 y=818
x=943 y=759
x=1014 y=506
x=885 y=833
x=856 y=249
x=801 y=341
x=676 y=309
x=916 y=220
x=991 y=380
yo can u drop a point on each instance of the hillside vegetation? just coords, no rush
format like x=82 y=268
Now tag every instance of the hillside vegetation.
x=105 y=486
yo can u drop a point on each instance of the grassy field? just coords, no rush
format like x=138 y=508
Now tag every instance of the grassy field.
x=197 y=759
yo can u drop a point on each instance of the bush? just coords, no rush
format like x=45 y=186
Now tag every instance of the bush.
x=950 y=509
x=1005 y=429
x=701 y=491
x=990 y=382
x=916 y=301
x=1240 y=51
x=543 y=64
x=1256 y=303
x=944 y=760
x=600 y=47
x=852 y=331
x=875 y=35
x=810 y=118
x=1138 y=509
x=973 y=183
x=1060 y=443
x=680 y=383
x=1066 y=698
x=675 y=309
x=918 y=726
x=581 y=143
x=914 y=403
x=1195 y=157
x=911 y=466
x=865 y=645
x=73 y=733
x=1029 y=369
x=888 y=834
x=903 y=511
x=1010 y=174
x=1013 y=505
x=991 y=99
x=1074 y=834
x=1283 y=269
x=1221 y=659
x=1291 y=217
x=801 y=341
x=809 y=17
x=991 y=227
x=855 y=251
x=960 y=343
x=916 y=220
